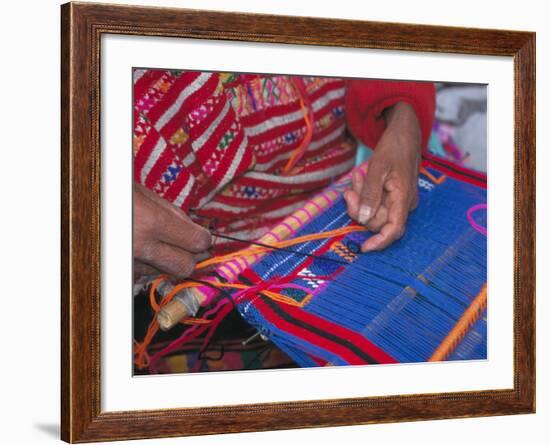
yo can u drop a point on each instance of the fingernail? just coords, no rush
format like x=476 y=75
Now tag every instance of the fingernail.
x=364 y=214
x=366 y=247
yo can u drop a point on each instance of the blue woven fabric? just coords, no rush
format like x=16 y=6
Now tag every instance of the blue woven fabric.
x=404 y=299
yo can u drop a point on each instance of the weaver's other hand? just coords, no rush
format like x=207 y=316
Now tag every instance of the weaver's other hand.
x=165 y=239
x=383 y=198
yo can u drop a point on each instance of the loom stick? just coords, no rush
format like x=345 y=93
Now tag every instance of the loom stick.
x=470 y=316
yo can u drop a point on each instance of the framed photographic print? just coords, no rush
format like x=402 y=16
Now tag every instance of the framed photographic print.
x=276 y=222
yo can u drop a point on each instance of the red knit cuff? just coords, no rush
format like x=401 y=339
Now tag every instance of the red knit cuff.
x=367 y=99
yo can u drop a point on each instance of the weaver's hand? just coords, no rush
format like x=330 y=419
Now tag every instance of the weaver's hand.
x=165 y=239
x=383 y=198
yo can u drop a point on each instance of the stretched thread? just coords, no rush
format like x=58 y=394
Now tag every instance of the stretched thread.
x=281 y=249
x=277 y=245
x=470 y=316
x=286 y=228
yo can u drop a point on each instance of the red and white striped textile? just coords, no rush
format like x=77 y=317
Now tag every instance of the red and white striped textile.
x=218 y=145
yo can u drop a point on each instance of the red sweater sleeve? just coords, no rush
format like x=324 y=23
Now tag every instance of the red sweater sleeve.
x=366 y=99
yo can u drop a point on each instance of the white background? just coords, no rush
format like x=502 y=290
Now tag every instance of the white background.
x=30 y=235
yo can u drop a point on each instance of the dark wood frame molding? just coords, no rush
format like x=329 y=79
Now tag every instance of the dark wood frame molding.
x=82 y=25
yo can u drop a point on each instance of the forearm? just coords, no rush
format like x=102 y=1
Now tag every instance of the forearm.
x=401 y=118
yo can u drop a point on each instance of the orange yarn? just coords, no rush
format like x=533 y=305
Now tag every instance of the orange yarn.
x=299 y=151
x=154 y=286
x=307 y=111
x=141 y=359
x=431 y=177
x=470 y=316
x=140 y=349
x=255 y=250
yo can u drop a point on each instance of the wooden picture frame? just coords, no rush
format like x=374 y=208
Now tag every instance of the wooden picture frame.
x=82 y=26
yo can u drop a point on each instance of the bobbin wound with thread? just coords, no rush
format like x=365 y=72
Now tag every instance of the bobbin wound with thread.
x=184 y=305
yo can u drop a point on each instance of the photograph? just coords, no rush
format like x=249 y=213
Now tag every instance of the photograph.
x=293 y=221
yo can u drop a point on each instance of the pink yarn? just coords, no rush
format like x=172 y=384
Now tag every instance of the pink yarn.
x=289 y=227
x=475 y=225
x=221 y=310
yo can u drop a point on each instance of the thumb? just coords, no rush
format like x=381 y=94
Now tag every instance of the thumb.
x=370 y=197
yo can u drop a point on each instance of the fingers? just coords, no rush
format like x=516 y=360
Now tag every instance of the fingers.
x=169 y=259
x=163 y=221
x=394 y=229
x=414 y=203
x=370 y=196
x=181 y=232
x=352 y=202
x=356 y=181
x=379 y=220
x=141 y=269
x=376 y=222
x=352 y=198
x=390 y=233
x=165 y=238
